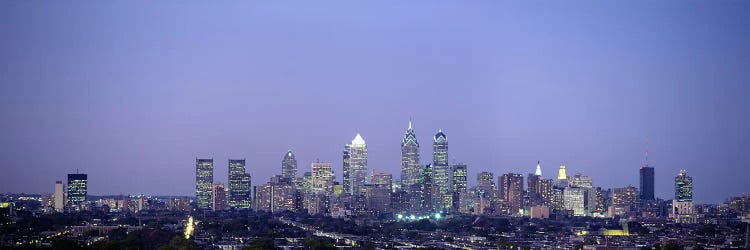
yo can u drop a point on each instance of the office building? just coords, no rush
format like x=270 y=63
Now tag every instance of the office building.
x=441 y=172
x=624 y=200
x=239 y=185
x=562 y=177
x=458 y=183
x=219 y=197
x=410 y=168
x=77 y=191
x=322 y=178
x=289 y=166
x=646 y=183
x=378 y=195
x=204 y=180
x=510 y=192
x=277 y=195
x=59 y=197
x=358 y=165
x=346 y=173
x=682 y=205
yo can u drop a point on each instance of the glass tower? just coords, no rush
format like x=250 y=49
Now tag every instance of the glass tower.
x=289 y=166
x=346 y=173
x=459 y=183
x=647 y=183
x=77 y=189
x=239 y=184
x=358 y=165
x=204 y=180
x=441 y=172
x=410 y=168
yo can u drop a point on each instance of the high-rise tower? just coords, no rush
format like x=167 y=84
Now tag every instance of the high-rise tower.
x=682 y=204
x=239 y=185
x=346 y=173
x=440 y=170
x=459 y=183
x=647 y=183
x=410 y=168
x=358 y=165
x=77 y=190
x=562 y=177
x=204 y=181
x=289 y=166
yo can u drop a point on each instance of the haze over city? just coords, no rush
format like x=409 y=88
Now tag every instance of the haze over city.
x=131 y=93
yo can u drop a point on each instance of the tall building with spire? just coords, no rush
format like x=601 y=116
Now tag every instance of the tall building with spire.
x=410 y=168
x=536 y=188
x=239 y=185
x=358 y=165
x=441 y=171
x=204 y=181
x=289 y=166
x=562 y=177
x=538 y=168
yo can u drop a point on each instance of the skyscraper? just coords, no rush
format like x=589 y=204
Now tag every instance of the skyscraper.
x=77 y=190
x=440 y=170
x=624 y=200
x=239 y=185
x=410 y=168
x=322 y=178
x=458 y=183
x=59 y=196
x=219 y=197
x=346 y=173
x=358 y=165
x=486 y=185
x=204 y=180
x=535 y=187
x=647 y=183
x=562 y=177
x=682 y=204
x=510 y=190
x=379 y=193
x=289 y=166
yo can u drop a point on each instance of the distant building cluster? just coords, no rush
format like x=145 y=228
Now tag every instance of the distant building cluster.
x=421 y=190
x=434 y=188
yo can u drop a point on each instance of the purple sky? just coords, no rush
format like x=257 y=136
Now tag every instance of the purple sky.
x=132 y=92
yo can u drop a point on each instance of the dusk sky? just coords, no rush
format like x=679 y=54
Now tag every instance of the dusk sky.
x=132 y=92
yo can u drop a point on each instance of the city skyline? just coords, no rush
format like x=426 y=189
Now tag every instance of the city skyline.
x=134 y=104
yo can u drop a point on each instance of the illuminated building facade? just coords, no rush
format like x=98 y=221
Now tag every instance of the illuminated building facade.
x=289 y=166
x=410 y=168
x=77 y=191
x=510 y=191
x=458 y=183
x=358 y=165
x=682 y=205
x=219 y=197
x=441 y=172
x=239 y=185
x=204 y=180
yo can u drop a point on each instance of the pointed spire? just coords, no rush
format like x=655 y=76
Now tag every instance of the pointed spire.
x=358 y=140
x=410 y=122
x=538 y=169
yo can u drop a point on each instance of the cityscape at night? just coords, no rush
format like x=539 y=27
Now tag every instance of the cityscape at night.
x=375 y=125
